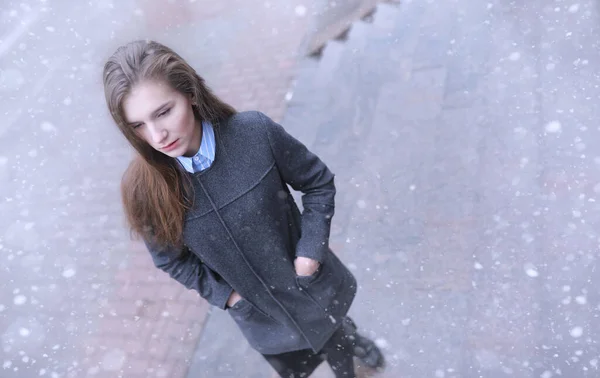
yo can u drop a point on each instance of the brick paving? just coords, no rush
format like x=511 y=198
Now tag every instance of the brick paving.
x=463 y=139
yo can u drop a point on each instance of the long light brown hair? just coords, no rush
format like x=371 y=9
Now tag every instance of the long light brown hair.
x=155 y=191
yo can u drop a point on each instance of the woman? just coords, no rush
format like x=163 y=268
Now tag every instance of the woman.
x=207 y=192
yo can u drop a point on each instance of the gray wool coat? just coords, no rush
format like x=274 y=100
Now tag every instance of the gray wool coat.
x=245 y=230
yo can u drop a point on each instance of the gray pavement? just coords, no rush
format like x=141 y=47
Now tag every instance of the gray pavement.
x=465 y=141
x=464 y=138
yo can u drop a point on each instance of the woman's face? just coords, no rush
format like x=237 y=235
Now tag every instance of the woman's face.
x=163 y=117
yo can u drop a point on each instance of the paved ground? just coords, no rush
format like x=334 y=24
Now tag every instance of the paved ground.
x=464 y=136
x=77 y=298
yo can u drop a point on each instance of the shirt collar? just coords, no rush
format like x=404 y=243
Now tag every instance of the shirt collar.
x=206 y=150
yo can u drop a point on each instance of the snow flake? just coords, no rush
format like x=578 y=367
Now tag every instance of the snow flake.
x=300 y=10
x=51 y=29
x=24 y=332
x=581 y=299
x=514 y=56
x=574 y=8
x=48 y=127
x=528 y=237
x=20 y=300
x=67 y=101
x=576 y=332
x=68 y=273
x=531 y=270
x=382 y=343
x=478 y=266
x=520 y=130
x=553 y=127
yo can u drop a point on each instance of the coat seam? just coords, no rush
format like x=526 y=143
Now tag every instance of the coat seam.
x=254 y=185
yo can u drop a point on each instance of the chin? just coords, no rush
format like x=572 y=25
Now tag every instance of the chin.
x=175 y=153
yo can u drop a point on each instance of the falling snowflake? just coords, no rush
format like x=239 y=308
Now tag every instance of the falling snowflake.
x=48 y=127
x=300 y=10
x=531 y=270
x=553 y=127
x=576 y=332
x=68 y=273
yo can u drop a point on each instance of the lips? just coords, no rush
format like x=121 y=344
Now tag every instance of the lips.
x=170 y=146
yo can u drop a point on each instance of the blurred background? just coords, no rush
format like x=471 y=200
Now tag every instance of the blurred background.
x=465 y=140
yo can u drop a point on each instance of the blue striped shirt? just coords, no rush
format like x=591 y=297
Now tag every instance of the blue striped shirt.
x=205 y=155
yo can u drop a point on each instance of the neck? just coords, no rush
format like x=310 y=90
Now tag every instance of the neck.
x=197 y=138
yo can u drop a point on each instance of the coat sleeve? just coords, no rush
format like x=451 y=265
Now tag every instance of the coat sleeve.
x=186 y=268
x=305 y=172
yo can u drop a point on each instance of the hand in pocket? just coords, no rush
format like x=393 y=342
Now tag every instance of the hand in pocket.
x=305 y=266
x=233 y=299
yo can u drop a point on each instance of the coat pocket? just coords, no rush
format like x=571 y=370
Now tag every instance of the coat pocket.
x=332 y=287
x=245 y=309
x=257 y=327
x=305 y=281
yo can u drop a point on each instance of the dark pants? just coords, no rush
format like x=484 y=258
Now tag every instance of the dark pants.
x=338 y=352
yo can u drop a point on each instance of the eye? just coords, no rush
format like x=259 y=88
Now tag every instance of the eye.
x=165 y=112
x=136 y=125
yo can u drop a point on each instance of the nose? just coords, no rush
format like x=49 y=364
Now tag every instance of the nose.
x=157 y=133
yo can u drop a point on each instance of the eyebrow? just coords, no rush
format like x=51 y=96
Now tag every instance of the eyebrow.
x=154 y=113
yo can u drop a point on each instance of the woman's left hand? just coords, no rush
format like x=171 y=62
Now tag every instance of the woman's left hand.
x=305 y=266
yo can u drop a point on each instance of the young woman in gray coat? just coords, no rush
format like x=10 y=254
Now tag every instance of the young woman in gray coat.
x=208 y=193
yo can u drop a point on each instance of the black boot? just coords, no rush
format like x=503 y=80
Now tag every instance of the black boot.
x=366 y=351
x=364 y=348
